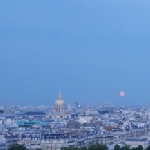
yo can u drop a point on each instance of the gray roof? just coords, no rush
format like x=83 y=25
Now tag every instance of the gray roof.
x=136 y=139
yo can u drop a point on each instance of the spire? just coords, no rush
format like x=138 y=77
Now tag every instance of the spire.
x=60 y=95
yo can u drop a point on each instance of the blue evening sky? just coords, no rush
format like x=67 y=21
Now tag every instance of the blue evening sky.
x=89 y=49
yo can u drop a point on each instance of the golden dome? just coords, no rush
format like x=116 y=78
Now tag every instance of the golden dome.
x=60 y=101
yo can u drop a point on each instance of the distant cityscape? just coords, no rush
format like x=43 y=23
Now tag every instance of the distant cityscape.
x=61 y=125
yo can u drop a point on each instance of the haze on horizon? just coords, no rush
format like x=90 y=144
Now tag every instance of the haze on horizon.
x=90 y=50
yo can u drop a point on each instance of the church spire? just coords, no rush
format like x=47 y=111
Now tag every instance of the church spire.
x=60 y=95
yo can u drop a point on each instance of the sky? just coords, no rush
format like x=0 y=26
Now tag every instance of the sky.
x=89 y=50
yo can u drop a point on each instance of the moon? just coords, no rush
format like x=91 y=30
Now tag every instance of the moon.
x=122 y=93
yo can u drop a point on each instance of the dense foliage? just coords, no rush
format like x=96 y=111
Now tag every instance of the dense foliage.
x=117 y=147
x=103 y=147
x=92 y=147
x=17 y=147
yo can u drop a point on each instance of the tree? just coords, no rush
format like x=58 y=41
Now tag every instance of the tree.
x=64 y=148
x=140 y=147
x=93 y=147
x=148 y=148
x=69 y=148
x=125 y=148
x=17 y=147
x=117 y=147
x=102 y=147
x=98 y=147
x=84 y=148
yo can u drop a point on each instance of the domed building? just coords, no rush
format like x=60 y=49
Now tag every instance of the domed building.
x=60 y=109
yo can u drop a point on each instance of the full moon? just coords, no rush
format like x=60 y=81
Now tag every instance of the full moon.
x=122 y=93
